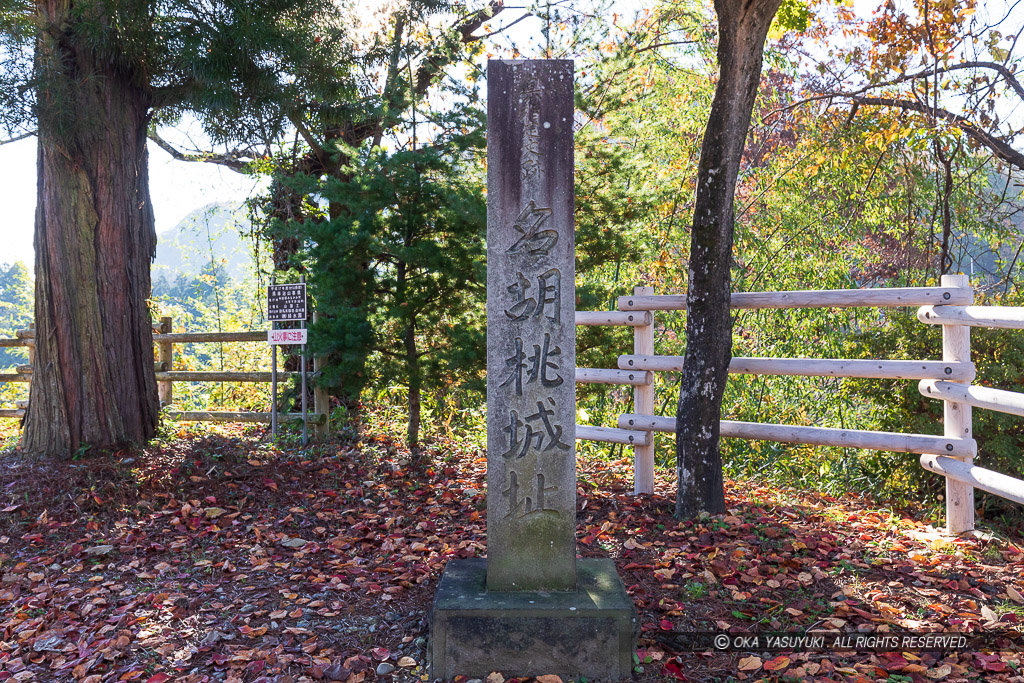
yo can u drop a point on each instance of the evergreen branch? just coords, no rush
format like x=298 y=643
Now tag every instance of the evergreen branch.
x=232 y=159
x=315 y=146
x=391 y=82
x=173 y=94
x=432 y=65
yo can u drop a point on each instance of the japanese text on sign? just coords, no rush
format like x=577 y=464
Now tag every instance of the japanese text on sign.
x=286 y=302
x=286 y=336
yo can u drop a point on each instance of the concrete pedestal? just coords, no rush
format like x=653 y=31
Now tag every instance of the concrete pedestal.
x=588 y=632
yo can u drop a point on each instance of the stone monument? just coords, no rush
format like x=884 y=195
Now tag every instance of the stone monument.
x=531 y=607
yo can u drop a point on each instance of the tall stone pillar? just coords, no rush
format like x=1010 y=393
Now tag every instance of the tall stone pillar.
x=531 y=330
x=531 y=607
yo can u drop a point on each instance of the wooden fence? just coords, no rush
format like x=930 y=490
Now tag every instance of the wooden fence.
x=948 y=380
x=166 y=376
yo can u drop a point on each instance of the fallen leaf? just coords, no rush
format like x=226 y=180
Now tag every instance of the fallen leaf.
x=750 y=663
x=98 y=550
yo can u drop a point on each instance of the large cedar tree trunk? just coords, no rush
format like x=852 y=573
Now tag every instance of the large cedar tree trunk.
x=742 y=30
x=93 y=380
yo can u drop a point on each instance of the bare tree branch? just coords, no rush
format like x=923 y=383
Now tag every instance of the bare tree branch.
x=1000 y=148
x=232 y=159
x=18 y=137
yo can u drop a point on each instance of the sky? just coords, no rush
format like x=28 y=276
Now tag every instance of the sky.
x=177 y=188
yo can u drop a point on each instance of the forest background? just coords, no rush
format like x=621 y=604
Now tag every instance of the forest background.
x=854 y=176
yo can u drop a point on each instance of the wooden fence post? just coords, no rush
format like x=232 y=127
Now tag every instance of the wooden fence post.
x=165 y=388
x=956 y=346
x=643 y=404
x=321 y=399
x=31 y=361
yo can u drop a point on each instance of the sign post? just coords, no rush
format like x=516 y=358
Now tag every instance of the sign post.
x=284 y=303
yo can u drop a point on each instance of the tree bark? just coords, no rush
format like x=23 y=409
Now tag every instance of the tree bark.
x=93 y=381
x=742 y=28
x=415 y=387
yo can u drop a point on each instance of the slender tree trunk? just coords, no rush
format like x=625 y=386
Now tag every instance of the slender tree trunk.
x=742 y=29
x=415 y=386
x=93 y=379
x=945 y=259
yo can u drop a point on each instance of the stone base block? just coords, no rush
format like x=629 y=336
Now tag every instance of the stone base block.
x=588 y=632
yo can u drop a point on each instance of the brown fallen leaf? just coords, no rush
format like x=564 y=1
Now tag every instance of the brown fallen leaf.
x=549 y=678
x=495 y=677
x=1014 y=595
x=751 y=663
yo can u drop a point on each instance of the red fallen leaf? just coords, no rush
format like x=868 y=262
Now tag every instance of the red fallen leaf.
x=220 y=659
x=380 y=653
x=672 y=668
x=777 y=664
x=666 y=625
x=158 y=678
x=995 y=666
x=893 y=661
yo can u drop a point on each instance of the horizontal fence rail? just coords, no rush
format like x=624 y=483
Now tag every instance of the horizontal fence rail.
x=198 y=337
x=818 y=436
x=817 y=367
x=217 y=376
x=629 y=437
x=635 y=378
x=228 y=416
x=834 y=298
x=976 y=477
x=999 y=317
x=637 y=319
x=981 y=397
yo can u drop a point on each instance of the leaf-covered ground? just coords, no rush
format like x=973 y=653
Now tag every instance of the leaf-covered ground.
x=225 y=558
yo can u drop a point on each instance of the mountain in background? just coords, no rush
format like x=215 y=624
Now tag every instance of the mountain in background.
x=210 y=233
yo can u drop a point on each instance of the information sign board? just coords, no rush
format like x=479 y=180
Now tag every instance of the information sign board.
x=286 y=336
x=286 y=302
